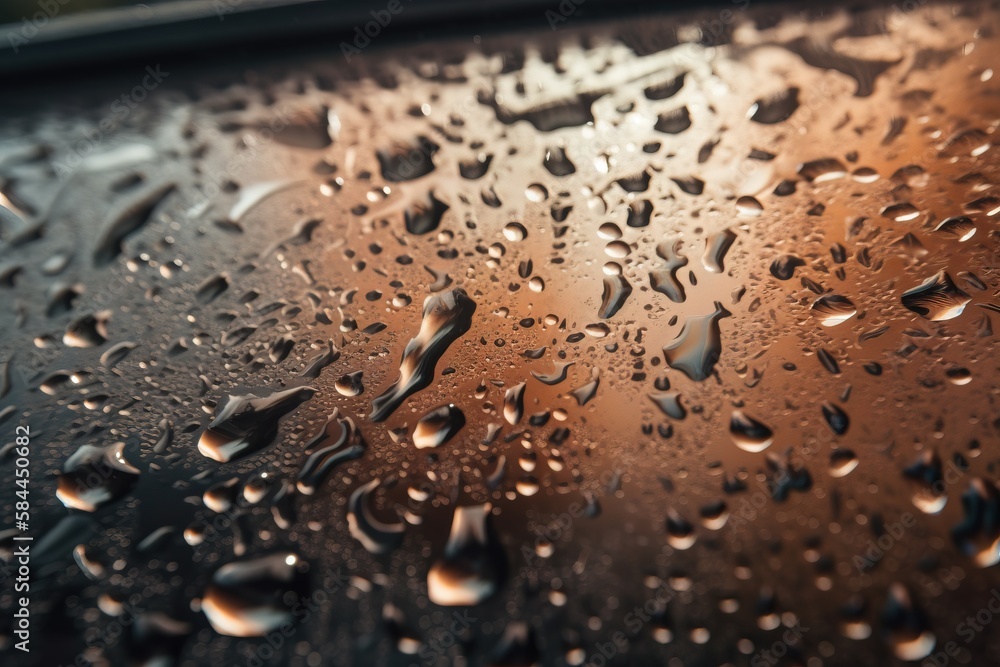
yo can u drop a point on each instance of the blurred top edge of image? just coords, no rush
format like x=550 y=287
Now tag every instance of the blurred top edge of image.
x=14 y=11
x=42 y=12
x=50 y=35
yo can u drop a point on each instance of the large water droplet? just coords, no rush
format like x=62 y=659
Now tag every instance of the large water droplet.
x=250 y=598
x=960 y=227
x=446 y=317
x=783 y=267
x=749 y=434
x=978 y=534
x=775 y=108
x=438 y=426
x=909 y=636
x=673 y=122
x=836 y=418
x=423 y=217
x=94 y=476
x=681 y=534
x=513 y=403
x=338 y=432
x=128 y=218
x=937 y=298
x=249 y=422
x=616 y=293
x=556 y=376
x=669 y=402
x=557 y=162
x=716 y=248
x=833 y=309
x=375 y=535
x=697 y=347
x=473 y=566
x=405 y=161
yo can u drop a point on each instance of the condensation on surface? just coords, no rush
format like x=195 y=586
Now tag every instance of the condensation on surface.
x=617 y=344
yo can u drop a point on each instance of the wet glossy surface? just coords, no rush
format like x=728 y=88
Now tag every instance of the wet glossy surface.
x=601 y=346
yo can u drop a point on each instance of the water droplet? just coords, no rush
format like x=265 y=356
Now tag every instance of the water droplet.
x=423 y=217
x=959 y=376
x=609 y=231
x=833 y=309
x=95 y=476
x=842 y=462
x=220 y=497
x=251 y=598
x=826 y=169
x=903 y=212
x=586 y=392
x=748 y=207
x=716 y=248
x=473 y=565
x=617 y=249
x=783 y=267
x=405 y=161
x=321 y=361
x=475 y=168
x=829 y=363
x=350 y=384
x=166 y=437
x=673 y=122
x=438 y=426
x=775 y=108
x=557 y=162
x=513 y=403
x=256 y=489
x=978 y=534
x=749 y=434
x=248 y=423
x=930 y=494
x=680 y=533
x=445 y=318
x=669 y=402
x=836 y=418
x=698 y=346
x=514 y=232
x=665 y=89
x=597 y=329
x=376 y=536
x=639 y=213
x=665 y=280
x=116 y=353
x=909 y=636
x=536 y=193
x=865 y=175
x=212 y=289
x=616 y=293
x=194 y=534
x=88 y=331
x=338 y=432
x=128 y=218
x=556 y=376
x=714 y=515
x=937 y=298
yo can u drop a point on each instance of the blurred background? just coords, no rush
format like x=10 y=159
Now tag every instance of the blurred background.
x=13 y=11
